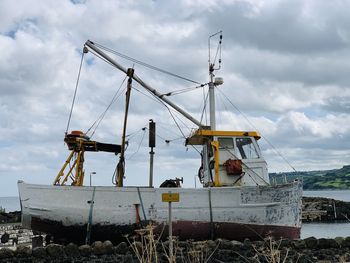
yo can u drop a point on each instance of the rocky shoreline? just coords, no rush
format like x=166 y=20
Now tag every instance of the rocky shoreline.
x=302 y=251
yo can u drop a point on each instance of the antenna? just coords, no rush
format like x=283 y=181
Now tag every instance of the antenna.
x=211 y=82
x=218 y=52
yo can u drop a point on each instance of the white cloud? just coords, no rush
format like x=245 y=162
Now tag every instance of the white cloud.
x=284 y=64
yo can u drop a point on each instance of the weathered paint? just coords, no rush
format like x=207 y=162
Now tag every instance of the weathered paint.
x=236 y=212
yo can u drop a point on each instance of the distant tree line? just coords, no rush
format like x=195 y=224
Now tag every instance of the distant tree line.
x=317 y=180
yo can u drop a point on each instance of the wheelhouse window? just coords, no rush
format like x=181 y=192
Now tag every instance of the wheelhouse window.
x=246 y=148
x=226 y=143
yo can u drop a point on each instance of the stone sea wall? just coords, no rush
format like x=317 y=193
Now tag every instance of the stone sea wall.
x=302 y=251
x=318 y=209
x=11 y=234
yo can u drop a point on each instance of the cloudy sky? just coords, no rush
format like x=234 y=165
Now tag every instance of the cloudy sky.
x=286 y=67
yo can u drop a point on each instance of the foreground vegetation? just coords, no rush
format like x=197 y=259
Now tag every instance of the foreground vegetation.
x=336 y=179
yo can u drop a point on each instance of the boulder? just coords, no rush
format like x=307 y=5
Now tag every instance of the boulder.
x=72 y=250
x=55 y=251
x=285 y=243
x=6 y=253
x=324 y=243
x=311 y=242
x=39 y=252
x=211 y=245
x=346 y=242
x=23 y=251
x=339 y=240
x=333 y=243
x=85 y=250
x=97 y=248
x=108 y=247
x=184 y=245
x=121 y=248
x=299 y=244
x=226 y=244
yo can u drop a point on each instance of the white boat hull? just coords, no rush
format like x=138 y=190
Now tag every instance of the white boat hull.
x=225 y=212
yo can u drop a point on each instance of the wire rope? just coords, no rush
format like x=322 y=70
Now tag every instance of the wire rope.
x=139 y=146
x=180 y=91
x=250 y=123
x=204 y=111
x=145 y=64
x=75 y=91
x=97 y=122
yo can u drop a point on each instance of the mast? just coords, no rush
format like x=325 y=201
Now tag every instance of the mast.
x=212 y=99
x=121 y=164
x=92 y=46
x=211 y=82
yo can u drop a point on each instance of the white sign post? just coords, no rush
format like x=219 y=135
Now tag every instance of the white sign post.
x=170 y=197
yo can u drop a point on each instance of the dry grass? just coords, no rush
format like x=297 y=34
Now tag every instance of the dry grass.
x=145 y=249
x=145 y=246
x=199 y=252
x=271 y=252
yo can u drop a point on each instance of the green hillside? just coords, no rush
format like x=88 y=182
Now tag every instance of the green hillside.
x=318 y=180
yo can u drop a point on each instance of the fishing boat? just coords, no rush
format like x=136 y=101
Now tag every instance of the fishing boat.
x=236 y=200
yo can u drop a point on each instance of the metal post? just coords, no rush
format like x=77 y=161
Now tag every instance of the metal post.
x=170 y=197
x=151 y=153
x=152 y=144
x=89 y=224
x=212 y=103
x=170 y=235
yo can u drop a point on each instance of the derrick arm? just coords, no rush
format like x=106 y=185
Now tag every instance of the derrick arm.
x=92 y=46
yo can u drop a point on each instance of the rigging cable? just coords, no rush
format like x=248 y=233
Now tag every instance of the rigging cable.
x=100 y=118
x=204 y=111
x=158 y=100
x=176 y=92
x=145 y=64
x=102 y=58
x=76 y=88
x=138 y=148
x=246 y=118
x=132 y=134
x=153 y=97
x=166 y=126
x=171 y=114
x=154 y=68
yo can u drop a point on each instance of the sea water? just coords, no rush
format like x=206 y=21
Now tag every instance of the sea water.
x=10 y=203
x=318 y=230
x=327 y=230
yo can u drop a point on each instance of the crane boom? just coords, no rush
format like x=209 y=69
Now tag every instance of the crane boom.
x=92 y=46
